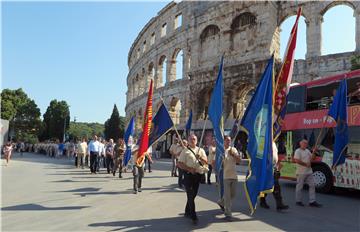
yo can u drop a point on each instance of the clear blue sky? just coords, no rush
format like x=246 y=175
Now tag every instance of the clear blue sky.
x=78 y=51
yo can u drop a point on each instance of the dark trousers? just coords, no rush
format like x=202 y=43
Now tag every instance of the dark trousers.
x=277 y=190
x=93 y=161
x=209 y=174
x=109 y=163
x=191 y=182
x=138 y=173
x=180 y=177
x=148 y=162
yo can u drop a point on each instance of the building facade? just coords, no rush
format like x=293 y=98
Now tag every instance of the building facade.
x=247 y=33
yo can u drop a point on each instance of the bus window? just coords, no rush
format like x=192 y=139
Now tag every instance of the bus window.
x=296 y=99
x=354 y=142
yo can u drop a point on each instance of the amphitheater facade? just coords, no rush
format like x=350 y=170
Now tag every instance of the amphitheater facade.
x=246 y=32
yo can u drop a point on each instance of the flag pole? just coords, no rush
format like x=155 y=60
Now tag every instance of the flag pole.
x=203 y=131
x=320 y=134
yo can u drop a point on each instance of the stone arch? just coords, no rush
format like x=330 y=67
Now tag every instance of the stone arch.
x=243 y=32
x=162 y=70
x=282 y=34
x=136 y=85
x=175 y=109
x=237 y=100
x=202 y=102
x=336 y=3
x=209 y=42
x=345 y=27
x=177 y=61
x=143 y=80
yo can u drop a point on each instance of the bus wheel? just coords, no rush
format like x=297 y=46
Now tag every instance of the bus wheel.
x=322 y=178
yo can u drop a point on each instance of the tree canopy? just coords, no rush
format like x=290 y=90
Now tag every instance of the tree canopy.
x=56 y=120
x=79 y=130
x=114 y=126
x=22 y=113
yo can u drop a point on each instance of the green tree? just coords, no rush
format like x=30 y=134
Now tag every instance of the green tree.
x=22 y=113
x=79 y=130
x=56 y=120
x=355 y=62
x=114 y=126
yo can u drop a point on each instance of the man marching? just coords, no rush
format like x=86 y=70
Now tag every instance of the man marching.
x=193 y=162
x=231 y=158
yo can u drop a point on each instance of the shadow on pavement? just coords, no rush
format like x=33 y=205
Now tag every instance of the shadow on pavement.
x=74 y=181
x=164 y=224
x=37 y=207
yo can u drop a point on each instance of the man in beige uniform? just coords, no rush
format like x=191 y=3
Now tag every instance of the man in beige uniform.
x=193 y=162
x=304 y=172
x=231 y=158
x=81 y=150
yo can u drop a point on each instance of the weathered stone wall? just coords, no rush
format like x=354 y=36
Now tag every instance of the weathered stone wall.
x=247 y=33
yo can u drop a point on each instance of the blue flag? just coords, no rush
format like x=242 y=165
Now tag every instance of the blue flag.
x=257 y=122
x=338 y=111
x=128 y=140
x=188 y=124
x=161 y=123
x=215 y=115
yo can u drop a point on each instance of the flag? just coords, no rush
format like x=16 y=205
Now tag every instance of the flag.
x=144 y=139
x=258 y=124
x=128 y=137
x=284 y=79
x=338 y=111
x=161 y=124
x=188 y=124
x=215 y=116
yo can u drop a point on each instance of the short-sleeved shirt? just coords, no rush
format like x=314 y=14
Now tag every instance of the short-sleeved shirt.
x=188 y=158
x=230 y=163
x=175 y=149
x=82 y=148
x=304 y=156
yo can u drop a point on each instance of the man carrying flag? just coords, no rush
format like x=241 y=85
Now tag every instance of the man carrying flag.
x=139 y=156
x=257 y=122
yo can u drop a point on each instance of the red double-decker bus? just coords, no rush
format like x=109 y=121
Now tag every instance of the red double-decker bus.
x=307 y=108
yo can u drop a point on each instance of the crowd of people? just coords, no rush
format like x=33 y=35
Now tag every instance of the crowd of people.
x=190 y=164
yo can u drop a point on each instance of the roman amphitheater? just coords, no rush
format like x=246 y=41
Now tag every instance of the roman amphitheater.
x=198 y=33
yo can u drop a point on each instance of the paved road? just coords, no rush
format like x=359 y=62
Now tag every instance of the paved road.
x=45 y=194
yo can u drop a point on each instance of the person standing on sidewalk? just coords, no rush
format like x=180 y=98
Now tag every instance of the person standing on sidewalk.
x=94 y=148
x=8 y=148
x=231 y=158
x=303 y=158
x=81 y=151
x=109 y=152
x=193 y=161
x=174 y=151
x=277 y=190
x=119 y=152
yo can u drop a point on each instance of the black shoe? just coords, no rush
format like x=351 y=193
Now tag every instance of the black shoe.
x=135 y=192
x=315 y=204
x=195 y=221
x=139 y=190
x=174 y=175
x=113 y=173
x=221 y=207
x=299 y=203
x=282 y=207
x=150 y=171
x=228 y=218
x=186 y=215
x=120 y=176
x=264 y=205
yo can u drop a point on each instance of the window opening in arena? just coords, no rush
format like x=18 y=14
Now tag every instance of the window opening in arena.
x=178 y=21
x=339 y=19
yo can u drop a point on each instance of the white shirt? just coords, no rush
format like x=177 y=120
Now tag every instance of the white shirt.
x=94 y=146
x=304 y=156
